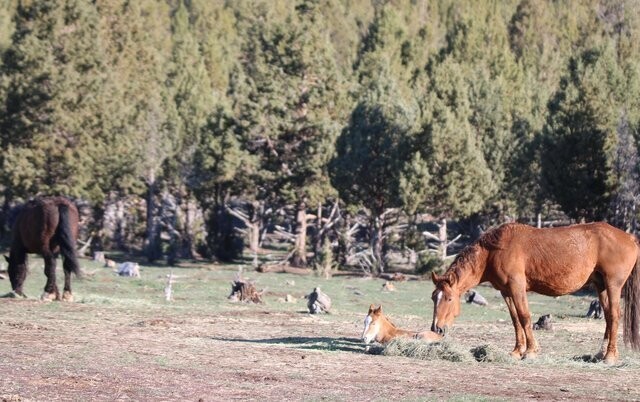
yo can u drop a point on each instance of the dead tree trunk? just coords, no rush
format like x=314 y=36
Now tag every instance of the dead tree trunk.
x=442 y=237
x=254 y=227
x=151 y=243
x=299 y=257
x=376 y=233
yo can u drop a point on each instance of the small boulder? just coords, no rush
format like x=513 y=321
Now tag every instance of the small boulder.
x=318 y=302
x=131 y=269
x=544 y=322
x=472 y=296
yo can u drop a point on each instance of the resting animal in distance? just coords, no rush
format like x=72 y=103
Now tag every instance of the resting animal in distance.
x=377 y=327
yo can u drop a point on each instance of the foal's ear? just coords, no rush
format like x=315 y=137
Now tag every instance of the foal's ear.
x=378 y=310
x=6 y=258
x=371 y=308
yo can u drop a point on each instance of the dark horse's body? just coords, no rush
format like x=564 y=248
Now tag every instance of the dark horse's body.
x=518 y=258
x=45 y=226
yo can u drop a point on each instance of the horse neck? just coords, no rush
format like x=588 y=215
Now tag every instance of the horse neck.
x=389 y=331
x=470 y=273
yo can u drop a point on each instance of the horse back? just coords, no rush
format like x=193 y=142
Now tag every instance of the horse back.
x=558 y=261
x=36 y=224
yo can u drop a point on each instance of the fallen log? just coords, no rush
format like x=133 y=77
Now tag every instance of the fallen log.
x=283 y=268
x=398 y=277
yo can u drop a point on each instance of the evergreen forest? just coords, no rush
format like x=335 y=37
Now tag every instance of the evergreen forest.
x=350 y=131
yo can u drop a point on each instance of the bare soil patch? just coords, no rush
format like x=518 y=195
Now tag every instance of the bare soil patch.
x=97 y=350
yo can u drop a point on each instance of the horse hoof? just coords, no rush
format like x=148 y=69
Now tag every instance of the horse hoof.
x=11 y=295
x=516 y=355
x=67 y=296
x=610 y=358
x=48 y=297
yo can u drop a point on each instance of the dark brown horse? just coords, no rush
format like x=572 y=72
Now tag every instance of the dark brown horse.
x=517 y=258
x=45 y=226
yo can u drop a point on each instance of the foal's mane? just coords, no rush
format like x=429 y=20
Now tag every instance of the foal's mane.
x=492 y=239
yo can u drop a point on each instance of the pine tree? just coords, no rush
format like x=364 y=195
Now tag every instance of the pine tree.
x=223 y=168
x=580 y=134
x=189 y=85
x=52 y=121
x=461 y=179
x=371 y=154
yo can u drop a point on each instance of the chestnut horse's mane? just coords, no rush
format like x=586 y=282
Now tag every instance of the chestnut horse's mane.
x=492 y=239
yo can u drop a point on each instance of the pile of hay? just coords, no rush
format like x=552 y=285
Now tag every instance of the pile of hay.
x=418 y=349
x=444 y=350
x=490 y=354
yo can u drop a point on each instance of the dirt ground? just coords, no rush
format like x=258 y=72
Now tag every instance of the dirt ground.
x=75 y=351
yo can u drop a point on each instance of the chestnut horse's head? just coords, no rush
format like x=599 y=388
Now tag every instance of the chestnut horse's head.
x=372 y=324
x=446 y=301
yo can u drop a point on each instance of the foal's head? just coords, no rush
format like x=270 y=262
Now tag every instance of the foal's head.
x=446 y=301
x=373 y=324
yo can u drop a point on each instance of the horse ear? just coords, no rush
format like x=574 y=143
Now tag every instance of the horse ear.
x=372 y=307
x=379 y=309
x=434 y=277
x=452 y=279
x=6 y=258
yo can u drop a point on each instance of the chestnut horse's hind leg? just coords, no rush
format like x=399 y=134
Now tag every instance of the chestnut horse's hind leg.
x=604 y=303
x=521 y=345
x=51 y=291
x=613 y=318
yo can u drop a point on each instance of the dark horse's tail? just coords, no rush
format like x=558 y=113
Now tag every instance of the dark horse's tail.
x=67 y=241
x=631 y=332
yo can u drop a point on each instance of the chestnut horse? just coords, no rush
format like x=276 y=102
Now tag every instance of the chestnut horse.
x=377 y=327
x=46 y=226
x=517 y=258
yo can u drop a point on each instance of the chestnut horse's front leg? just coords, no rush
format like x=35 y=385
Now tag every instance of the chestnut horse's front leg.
x=521 y=345
x=519 y=295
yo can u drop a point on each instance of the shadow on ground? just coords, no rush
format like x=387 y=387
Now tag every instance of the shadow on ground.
x=308 y=343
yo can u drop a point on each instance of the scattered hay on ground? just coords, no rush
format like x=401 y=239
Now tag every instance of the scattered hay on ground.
x=490 y=354
x=418 y=349
x=445 y=350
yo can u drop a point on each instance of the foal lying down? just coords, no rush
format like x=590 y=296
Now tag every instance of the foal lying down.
x=377 y=327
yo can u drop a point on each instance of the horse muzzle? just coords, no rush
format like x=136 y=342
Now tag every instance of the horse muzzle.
x=437 y=329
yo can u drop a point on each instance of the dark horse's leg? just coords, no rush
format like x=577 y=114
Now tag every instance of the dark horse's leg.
x=521 y=345
x=17 y=269
x=70 y=266
x=51 y=291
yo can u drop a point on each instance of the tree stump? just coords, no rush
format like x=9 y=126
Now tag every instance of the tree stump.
x=243 y=291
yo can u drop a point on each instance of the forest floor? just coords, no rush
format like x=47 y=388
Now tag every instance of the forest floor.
x=120 y=340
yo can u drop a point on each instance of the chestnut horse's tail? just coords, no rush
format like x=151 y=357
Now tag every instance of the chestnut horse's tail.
x=631 y=332
x=67 y=241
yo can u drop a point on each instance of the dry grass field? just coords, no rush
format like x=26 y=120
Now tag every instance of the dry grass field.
x=120 y=340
